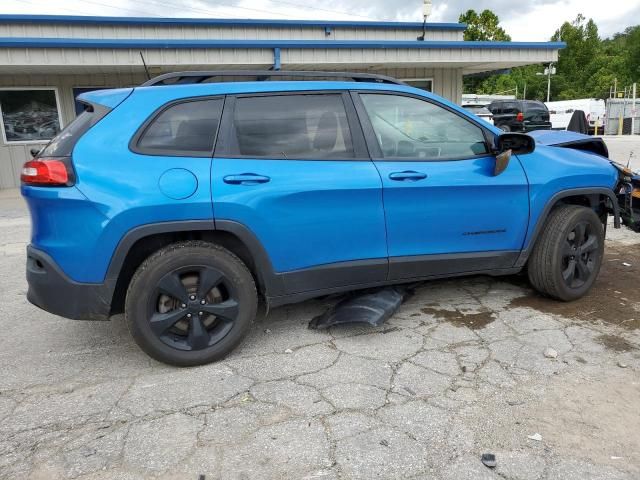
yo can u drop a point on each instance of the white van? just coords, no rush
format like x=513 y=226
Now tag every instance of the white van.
x=561 y=113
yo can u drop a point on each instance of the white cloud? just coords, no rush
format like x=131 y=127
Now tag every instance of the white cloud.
x=542 y=21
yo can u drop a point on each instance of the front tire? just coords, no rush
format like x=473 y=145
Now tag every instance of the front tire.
x=566 y=259
x=190 y=303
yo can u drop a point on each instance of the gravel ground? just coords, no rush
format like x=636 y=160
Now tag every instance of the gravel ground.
x=466 y=367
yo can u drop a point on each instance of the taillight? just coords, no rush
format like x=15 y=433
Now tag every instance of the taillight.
x=520 y=117
x=48 y=172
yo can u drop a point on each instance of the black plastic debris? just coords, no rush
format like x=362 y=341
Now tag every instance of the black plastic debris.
x=370 y=308
x=489 y=459
x=578 y=123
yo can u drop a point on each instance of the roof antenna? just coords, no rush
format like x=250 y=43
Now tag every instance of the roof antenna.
x=426 y=12
x=145 y=66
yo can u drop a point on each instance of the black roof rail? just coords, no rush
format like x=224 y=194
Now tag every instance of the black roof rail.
x=187 y=77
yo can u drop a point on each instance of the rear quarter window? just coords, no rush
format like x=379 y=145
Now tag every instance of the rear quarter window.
x=188 y=128
x=534 y=107
x=62 y=144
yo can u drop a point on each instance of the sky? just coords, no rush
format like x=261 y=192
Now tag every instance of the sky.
x=524 y=20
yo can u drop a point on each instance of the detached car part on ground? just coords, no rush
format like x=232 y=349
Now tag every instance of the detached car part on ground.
x=180 y=205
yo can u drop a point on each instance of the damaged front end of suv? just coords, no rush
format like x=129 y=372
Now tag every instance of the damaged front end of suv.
x=626 y=190
x=628 y=193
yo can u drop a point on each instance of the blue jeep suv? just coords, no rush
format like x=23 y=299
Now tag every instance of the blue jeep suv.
x=184 y=200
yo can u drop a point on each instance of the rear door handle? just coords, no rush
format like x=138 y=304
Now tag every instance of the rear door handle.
x=245 y=179
x=407 y=176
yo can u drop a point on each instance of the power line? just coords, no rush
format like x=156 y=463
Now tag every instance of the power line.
x=211 y=12
x=322 y=9
x=137 y=12
x=206 y=11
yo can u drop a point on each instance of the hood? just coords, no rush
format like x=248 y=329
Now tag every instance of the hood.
x=566 y=139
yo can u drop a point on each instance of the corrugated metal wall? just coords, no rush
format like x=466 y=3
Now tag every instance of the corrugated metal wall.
x=90 y=59
x=220 y=32
x=622 y=109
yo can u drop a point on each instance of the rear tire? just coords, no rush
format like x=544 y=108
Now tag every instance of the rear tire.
x=190 y=303
x=505 y=128
x=566 y=259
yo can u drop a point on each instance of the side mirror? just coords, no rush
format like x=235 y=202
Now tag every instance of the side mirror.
x=518 y=143
x=509 y=143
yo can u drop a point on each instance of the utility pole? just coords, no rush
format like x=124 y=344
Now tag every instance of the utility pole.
x=550 y=70
x=633 y=109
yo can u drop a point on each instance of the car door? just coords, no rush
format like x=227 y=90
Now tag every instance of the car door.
x=293 y=169
x=446 y=212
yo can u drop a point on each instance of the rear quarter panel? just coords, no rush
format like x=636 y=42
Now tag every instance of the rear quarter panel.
x=123 y=186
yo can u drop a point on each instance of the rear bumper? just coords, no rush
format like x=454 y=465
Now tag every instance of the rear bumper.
x=51 y=290
x=536 y=126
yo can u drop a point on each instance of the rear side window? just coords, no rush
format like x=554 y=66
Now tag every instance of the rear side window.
x=183 y=129
x=311 y=127
x=62 y=144
x=510 y=107
x=534 y=107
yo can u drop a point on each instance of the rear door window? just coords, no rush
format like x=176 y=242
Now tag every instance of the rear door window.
x=305 y=126
x=184 y=129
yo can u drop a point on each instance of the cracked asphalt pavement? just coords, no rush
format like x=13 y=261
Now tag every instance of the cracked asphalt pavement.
x=466 y=367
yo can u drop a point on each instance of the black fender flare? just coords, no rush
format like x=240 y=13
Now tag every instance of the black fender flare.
x=573 y=192
x=272 y=283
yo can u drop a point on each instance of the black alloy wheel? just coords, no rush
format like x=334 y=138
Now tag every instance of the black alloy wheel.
x=193 y=308
x=190 y=303
x=580 y=254
x=568 y=253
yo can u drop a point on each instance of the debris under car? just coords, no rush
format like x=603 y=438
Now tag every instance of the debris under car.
x=369 y=307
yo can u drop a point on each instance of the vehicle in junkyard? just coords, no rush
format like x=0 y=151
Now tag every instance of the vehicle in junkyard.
x=182 y=202
x=561 y=112
x=520 y=115
x=480 y=111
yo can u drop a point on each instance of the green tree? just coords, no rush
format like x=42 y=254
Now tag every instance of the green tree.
x=483 y=27
x=578 y=62
x=586 y=68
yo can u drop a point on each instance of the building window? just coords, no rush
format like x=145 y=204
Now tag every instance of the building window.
x=422 y=83
x=29 y=115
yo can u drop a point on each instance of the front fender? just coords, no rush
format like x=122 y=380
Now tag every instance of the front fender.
x=555 y=173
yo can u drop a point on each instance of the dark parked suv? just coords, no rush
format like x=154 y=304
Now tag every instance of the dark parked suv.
x=520 y=115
